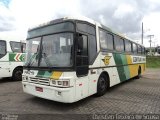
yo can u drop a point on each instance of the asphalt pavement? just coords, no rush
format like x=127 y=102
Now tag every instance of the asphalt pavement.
x=133 y=97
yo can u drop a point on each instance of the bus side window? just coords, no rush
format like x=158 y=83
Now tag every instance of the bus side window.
x=106 y=40
x=119 y=44
x=92 y=48
x=23 y=45
x=139 y=49
x=16 y=47
x=134 y=48
x=109 y=41
x=128 y=46
x=3 y=47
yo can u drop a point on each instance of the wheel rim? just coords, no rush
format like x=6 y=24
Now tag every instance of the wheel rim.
x=102 y=84
x=18 y=75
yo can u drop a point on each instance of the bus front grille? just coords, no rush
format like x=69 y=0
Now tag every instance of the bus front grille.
x=36 y=80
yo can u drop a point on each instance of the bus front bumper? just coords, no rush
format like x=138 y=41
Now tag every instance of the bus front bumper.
x=65 y=95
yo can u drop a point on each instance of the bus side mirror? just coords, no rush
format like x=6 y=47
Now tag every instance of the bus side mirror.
x=80 y=44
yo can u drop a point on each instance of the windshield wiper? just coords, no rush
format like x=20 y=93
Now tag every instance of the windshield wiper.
x=34 y=57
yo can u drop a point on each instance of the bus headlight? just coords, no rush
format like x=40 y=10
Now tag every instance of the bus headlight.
x=60 y=83
x=53 y=82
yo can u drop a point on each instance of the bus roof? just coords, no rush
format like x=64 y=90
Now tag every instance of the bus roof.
x=83 y=18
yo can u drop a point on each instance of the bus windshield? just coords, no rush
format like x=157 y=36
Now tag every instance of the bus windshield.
x=50 y=51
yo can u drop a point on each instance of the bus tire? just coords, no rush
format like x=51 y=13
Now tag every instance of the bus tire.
x=17 y=74
x=102 y=85
x=139 y=73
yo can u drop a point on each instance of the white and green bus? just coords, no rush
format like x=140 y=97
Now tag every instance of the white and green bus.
x=11 y=59
x=69 y=59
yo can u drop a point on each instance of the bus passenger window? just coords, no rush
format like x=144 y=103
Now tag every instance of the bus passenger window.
x=16 y=46
x=127 y=46
x=2 y=48
x=106 y=40
x=134 y=48
x=139 y=49
x=119 y=44
x=92 y=48
x=143 y=50
x=23 y=47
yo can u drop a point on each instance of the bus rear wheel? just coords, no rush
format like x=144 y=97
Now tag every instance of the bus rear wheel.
x=17 y=74
x=102 y=85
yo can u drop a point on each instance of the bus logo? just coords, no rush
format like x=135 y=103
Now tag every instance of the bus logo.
x=106 y=60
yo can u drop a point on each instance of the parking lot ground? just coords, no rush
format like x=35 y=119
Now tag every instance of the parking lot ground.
x=135 y=96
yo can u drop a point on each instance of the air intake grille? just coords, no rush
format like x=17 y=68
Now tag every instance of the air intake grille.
x=36 y=80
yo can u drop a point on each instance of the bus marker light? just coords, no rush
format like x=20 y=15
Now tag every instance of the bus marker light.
x=94 y=80
x=65 y=83
x=80 y=84
x=59 y=82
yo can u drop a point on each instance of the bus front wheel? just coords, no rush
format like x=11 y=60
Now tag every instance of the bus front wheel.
x=102 y=85
x=17 y=74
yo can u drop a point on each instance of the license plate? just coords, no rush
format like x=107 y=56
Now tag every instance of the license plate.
x=39 y=89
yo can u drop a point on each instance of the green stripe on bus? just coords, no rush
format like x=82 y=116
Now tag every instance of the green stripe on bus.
x=40 y=73
x=11 y=56
x=126 y=68
x=45 y=74
x=120 y=60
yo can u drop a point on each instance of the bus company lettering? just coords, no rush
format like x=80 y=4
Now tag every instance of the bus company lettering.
x=138 y=59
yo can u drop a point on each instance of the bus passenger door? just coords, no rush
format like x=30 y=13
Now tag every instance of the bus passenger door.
x=82 y=66
x=82 y=56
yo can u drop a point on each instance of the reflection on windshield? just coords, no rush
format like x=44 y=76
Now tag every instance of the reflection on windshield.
x=55 y=51
x=32 y=50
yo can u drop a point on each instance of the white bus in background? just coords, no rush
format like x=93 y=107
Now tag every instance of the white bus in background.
x=12 y=55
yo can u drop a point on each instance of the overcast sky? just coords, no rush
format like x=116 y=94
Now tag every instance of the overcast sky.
x=124 y=16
